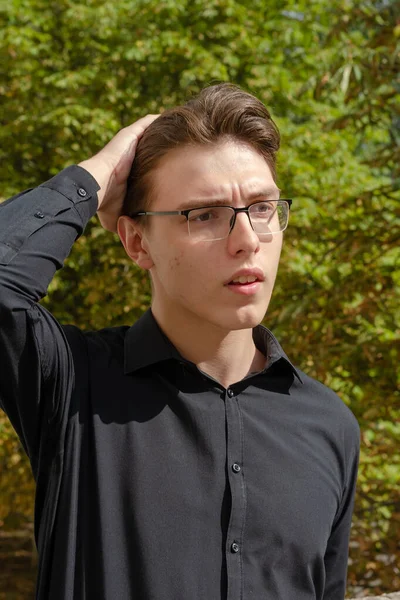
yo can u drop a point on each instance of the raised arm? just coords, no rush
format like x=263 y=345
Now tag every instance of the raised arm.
x=37 y=230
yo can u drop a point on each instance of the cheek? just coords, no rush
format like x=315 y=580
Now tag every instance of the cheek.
x=178 y=274
x=175 y=263
x=186 y=275
x=272 y=254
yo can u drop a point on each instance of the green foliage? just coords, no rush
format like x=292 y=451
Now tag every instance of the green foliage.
x=72 y=74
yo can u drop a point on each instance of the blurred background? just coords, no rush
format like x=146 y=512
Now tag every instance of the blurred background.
x=73 y=73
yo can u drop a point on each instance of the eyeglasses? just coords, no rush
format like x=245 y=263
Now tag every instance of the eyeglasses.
x=211 y=223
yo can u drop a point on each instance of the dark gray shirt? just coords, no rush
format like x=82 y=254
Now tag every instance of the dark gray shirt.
x=154 y=482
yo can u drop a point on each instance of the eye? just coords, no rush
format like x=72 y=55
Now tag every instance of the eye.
x=264 y=209
x=207 y=216
x=203 y=215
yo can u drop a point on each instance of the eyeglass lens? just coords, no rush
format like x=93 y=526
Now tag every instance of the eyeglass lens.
x=214 y=223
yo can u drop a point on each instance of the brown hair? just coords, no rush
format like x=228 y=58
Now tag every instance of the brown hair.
x=218 y=112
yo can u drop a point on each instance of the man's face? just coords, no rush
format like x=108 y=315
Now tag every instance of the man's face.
x=191 y=277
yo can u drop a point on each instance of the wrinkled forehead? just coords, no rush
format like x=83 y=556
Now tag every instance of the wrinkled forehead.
x=231 y=172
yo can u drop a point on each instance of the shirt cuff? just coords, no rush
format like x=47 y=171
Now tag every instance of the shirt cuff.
x=79 y=186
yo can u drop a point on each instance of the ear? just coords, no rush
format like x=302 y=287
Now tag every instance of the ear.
x=132 y=237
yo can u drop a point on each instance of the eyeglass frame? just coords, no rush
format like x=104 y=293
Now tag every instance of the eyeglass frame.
x=186 y=212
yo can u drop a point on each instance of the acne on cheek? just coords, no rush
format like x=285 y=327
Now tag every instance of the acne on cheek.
x=186 y=270
x=175 y=262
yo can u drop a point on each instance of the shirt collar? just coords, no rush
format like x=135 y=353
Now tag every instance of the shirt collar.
x=146 y=344
x=267 y=343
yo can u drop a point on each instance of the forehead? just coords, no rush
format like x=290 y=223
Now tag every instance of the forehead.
x=231 y=171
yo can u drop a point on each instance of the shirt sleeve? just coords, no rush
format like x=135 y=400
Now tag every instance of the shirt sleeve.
x=337 y=551
x=37 y=230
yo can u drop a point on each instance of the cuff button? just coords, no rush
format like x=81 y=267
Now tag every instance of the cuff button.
x=82 y=192
x=39 y=215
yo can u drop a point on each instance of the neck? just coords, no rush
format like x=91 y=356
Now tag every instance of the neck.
x=226 y=356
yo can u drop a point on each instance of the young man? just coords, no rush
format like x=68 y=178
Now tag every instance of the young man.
x=182 y=458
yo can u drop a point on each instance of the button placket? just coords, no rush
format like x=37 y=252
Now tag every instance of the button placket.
x=234 y=544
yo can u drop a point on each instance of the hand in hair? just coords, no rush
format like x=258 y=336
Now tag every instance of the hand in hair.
x=111 y=166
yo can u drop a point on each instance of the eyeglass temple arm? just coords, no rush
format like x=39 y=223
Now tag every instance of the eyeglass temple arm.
x=187 y=211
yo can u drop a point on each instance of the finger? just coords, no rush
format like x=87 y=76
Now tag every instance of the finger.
x=125 y=141
x=141 y=124
x=140 y=127
x=136 y=129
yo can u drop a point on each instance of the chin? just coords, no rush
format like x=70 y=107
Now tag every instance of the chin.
x=246 y=317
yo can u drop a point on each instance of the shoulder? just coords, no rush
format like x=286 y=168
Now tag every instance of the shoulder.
x=104 y=344
x=331 y=408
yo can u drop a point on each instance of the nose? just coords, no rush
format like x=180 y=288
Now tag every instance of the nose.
x=242 y=237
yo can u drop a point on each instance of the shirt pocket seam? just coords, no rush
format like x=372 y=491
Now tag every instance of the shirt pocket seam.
x=19 y=236
x=7 y=252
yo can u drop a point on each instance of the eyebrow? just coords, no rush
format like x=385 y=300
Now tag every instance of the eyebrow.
x=265 y=193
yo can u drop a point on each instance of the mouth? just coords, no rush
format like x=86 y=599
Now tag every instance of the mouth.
x=247 y=281
x=244 y=280
x=245 y=285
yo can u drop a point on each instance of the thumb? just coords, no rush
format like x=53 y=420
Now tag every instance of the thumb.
x=126 y=140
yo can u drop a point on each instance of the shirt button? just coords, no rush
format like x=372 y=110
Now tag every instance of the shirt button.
x=236 y=468
x=39 y=214
x=230 y=393
x=82 y=192
x=235 y=547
